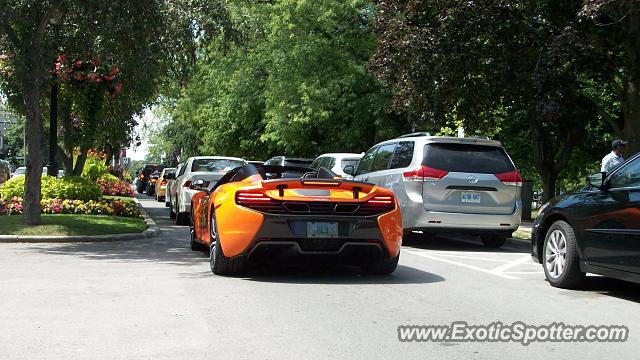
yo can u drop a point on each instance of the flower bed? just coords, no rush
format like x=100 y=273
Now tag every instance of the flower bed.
x=58 y=206
x=115 y=188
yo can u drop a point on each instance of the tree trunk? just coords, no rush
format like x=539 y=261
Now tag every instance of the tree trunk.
x=82 y=158
x=33 y=133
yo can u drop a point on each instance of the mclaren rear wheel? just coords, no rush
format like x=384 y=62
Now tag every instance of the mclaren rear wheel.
x=221 y=264
x=382 y=266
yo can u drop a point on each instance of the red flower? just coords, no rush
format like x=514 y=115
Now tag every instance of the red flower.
x=61 y=58
x=109 y=77
x=79 y=75
x=114 y=71
x=117 y=88
x=77 y=63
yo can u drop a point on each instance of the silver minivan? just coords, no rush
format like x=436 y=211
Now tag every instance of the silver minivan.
x=448 y=184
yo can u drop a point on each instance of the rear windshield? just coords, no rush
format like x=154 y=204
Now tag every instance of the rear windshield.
x=214 y=165
x=351 y=161
x=467 y=158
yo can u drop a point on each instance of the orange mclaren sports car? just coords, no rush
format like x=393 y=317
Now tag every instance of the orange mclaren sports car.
x=265 y=213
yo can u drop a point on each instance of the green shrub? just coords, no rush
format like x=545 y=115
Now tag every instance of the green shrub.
x=95 y=167
x=73 y=187
x=108 y=177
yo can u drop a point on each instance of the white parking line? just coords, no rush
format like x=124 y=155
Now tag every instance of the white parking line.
x=512 y=264
x=462 y=265
x=466 y=257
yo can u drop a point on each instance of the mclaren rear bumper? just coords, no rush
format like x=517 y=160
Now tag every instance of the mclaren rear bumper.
x=283 y=238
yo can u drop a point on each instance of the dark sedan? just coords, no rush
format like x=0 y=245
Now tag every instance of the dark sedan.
x=593 y=230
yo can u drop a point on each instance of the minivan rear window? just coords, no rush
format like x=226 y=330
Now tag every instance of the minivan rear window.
x=467 y=158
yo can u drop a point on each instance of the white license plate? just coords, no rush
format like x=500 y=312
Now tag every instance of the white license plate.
x=470 y=197
x=318 y=229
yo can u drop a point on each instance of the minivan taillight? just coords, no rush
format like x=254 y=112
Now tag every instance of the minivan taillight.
x=424 y=173
x=512 y=178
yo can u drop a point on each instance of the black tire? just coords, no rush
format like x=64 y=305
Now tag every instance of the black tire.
x=182 y=218
x=493 y=241
x=194 y=243
x=172 y=214
x=383 y=266
x=410 y=238
x=159 y=198
x=223 y=265
x=571 y=276
x=167 y=204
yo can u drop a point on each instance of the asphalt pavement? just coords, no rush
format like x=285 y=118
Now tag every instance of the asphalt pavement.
x=156 y=299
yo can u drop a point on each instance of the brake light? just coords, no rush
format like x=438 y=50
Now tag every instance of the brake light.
x=382 y=201
x=512 y=178
x=424 y=173
x=247 y=198
x=163 y=182
x=187 y=184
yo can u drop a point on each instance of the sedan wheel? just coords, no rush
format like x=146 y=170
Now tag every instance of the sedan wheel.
x=556 y=254
x=561 y=263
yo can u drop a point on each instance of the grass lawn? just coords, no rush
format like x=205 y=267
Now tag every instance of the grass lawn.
x=69 y=224
x=522 y=235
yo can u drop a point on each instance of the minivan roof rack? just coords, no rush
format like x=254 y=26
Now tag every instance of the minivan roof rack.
x=415 y=134
x=482 y=137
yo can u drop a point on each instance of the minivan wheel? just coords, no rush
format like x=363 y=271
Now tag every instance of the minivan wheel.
x=493 y=241
x=560 y=256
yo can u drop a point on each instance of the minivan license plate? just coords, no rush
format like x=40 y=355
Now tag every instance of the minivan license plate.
x=470 y=197
x=317 y=229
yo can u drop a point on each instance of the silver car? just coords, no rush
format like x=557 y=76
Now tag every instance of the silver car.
x=336 y=162
x=207 y=168
x=447 y=184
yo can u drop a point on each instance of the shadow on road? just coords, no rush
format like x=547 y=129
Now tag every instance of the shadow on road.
x=460 y=242
x=340 y=275
x=611 y=287
x=171 y=247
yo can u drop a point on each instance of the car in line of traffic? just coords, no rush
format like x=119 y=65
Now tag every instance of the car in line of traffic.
x=256 y=214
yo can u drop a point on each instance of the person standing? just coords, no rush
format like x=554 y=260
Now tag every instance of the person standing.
x=614 y=158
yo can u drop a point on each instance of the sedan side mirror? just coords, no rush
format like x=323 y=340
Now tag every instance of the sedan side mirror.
x=349 y=170
x=596 y=180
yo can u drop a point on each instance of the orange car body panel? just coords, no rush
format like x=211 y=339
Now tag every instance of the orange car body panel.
x=238 y=226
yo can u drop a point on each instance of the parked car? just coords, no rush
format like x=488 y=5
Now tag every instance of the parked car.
x=336 y=162
x=161 y=185
x=171 y=188
x=19 y=171
x=244 y=219
x=153 y=179
x=289 y=161
x=447 y=184
x=144 y=176
x=595 y=229
x=209 y=169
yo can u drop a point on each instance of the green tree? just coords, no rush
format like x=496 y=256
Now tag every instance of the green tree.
x=531 y=61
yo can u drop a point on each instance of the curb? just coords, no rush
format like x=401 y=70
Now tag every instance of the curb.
x=151 y=231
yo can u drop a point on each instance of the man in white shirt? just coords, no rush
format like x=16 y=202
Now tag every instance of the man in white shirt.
x=614 y=158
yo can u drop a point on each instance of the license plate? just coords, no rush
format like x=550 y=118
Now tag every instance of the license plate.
x=318 y=229
x=469 y=197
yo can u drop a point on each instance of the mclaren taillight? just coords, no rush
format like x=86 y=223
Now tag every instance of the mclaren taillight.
x=512 y=178
x=383 y=201
x=163 y=182
x=248 y=198
x=424 y=173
